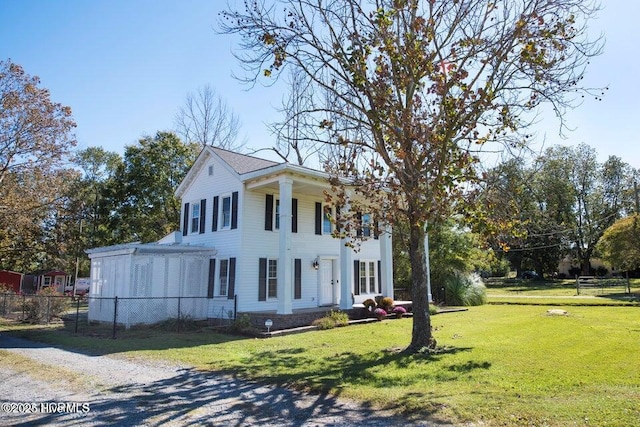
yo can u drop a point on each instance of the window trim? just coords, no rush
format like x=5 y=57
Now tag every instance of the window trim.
x=224 y=197
x=327 y=212
x=370 y=277
x=367 y=223
x=270 y=278
x=227 y=263
x=194 y=221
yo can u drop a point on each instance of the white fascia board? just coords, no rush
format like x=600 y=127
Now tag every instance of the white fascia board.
x=299 y=173
x=149 y=248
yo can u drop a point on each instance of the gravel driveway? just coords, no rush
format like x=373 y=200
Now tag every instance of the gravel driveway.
x=140 y=393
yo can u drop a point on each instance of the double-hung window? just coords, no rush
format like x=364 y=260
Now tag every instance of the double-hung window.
x=272 y=278
x=226 y=213
x=195 y=217
x=223 y=278
x=326 y=220
x=366 y=225
x=367 y=277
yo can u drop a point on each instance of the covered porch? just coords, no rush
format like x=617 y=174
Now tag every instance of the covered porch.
x=335 y=268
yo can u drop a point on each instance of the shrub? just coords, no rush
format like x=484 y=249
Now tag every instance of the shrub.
x=44 y=306
x=399 y=311
x=601 y=271
x=9 y=300
x=179 y=324
x=575 y=271
x=339 y=317
x=332 y=320
x=380 y=313
x=465 y=290
x=242 y=325
x=324 y=323
x=386 y=303
x=6 y=289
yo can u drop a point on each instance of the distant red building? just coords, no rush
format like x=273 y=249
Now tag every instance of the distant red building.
x=43 y=279
x=13 y=279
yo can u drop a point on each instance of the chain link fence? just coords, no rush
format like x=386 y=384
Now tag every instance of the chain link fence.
x=100 y=315
x=36 y=308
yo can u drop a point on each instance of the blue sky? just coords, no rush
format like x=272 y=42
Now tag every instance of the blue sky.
x=125 y=67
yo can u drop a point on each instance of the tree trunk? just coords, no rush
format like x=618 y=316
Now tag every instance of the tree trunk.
x=421 y=337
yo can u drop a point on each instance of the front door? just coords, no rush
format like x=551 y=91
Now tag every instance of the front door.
x=326 y=282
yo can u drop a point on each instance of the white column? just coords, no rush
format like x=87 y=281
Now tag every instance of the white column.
x=285 y=270
x=386 y=262
x=346 y=271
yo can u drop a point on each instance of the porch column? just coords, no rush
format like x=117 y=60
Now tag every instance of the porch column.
x=346 y=271
x=386 y=263
x=285 y=275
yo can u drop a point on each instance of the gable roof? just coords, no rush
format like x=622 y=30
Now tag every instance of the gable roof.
x=242 y=163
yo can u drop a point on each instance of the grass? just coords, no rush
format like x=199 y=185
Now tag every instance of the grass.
x=559 y=292
x=500 y=364
x=63 y=377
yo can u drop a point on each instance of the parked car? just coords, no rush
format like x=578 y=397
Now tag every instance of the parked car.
x=529 y=274
x=82 y=287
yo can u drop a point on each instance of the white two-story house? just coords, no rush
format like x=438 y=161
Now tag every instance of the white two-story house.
x=256 y=237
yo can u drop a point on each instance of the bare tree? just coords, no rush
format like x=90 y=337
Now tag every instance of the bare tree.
x=294 y=137
x=417 y=86
x=206 y=119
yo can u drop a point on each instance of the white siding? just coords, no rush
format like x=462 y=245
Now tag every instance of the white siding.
x=258 y=243
x=222 y=183
x=250 y=241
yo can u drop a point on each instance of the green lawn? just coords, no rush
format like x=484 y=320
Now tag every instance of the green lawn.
x=559 y=292
x=501 y=364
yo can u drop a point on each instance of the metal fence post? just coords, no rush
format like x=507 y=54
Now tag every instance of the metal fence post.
x=77 y=313
x=235 y=307
x=4 y=308
x=48 y=307
x=115 y=316
x=179 y=315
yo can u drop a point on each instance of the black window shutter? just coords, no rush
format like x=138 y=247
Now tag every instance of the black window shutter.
x=359 y=224
x=214 y=217
x=234 y=210
x=318 y=218
x=212 y=277
x=297 y=283
x=268 y=213
x=203 y=214
x=338 y=218
x=232 y=278
x=376 y=232
x=379 y=277
x=185 y=220
x=356 y=276
x=262 y=280
x=294 y=215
